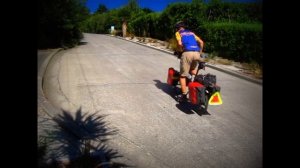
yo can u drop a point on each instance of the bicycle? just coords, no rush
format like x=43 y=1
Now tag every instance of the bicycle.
x=202 y=89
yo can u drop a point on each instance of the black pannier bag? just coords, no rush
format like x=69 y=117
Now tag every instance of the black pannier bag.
x=201 y=94
x=207 y=80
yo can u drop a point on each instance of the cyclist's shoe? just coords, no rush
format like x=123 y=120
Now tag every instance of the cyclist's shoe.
x=182 y=98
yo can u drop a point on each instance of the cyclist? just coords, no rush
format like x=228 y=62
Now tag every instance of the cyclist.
x=192 y=46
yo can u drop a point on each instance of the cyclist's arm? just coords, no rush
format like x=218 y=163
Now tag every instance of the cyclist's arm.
x=178 y=38
x=200 y=42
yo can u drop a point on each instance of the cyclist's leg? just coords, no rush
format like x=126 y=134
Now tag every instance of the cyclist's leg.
x=196 y=57
x=184 y=71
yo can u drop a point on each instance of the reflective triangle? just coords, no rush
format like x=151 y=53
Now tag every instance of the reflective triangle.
x=215 y=99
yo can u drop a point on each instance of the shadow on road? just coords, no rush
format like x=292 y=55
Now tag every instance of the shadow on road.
x=185 y=107
x=80 y=139
x=170 y=90
x=82 y=43
x=189 y=108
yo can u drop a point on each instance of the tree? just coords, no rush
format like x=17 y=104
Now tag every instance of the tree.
x=133 y=5
x=59 y=22
x=147 y=10
x=101 y=9
x=197 y=1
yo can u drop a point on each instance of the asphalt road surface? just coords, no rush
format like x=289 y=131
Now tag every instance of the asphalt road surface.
x=127 y=82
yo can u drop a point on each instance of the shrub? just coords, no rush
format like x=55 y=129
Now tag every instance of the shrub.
x=237 y=41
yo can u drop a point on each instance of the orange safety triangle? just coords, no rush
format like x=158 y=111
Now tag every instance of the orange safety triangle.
x=215 y=99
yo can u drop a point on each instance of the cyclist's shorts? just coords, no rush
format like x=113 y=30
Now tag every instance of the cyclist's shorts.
x=188 y=62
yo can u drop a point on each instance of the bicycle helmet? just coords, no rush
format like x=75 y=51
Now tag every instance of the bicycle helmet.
x=179 y=24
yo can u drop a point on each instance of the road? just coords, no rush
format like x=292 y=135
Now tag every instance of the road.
x=127 y=82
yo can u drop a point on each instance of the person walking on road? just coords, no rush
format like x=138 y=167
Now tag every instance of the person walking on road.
x=192 y=47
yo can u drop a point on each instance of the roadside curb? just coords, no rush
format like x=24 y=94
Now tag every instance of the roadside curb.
x=168 y=52
x=236 y=74
x=230 y=72
x=43 y=102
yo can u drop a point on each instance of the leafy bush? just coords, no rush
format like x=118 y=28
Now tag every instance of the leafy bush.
x=237 y=41
x=59 y=22
x=145 y=25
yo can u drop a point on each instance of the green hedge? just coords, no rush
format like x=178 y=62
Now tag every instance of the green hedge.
x=145 y=25
x=236 y=41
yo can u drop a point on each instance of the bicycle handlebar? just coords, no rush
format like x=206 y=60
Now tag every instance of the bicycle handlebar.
x=201 y=65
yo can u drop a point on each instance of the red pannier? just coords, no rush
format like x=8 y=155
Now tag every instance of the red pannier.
x=196 y=92
x=173 y=76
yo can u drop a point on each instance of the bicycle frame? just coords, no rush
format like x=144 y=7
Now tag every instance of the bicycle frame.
x=201 y=88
